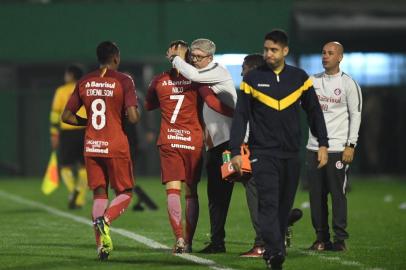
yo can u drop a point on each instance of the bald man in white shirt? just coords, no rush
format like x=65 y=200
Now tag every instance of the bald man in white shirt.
x=341 y=102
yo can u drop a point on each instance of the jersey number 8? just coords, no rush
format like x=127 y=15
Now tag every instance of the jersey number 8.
x=98 y=114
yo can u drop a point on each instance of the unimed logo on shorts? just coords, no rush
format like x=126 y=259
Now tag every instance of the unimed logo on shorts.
x=97 y=150
x=182 y=146
x=181 y=138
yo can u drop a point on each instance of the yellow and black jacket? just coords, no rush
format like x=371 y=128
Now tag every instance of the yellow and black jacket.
x=61 y=97
x=270 y=103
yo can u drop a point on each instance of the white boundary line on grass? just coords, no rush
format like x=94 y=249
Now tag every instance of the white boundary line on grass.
x=139 y=238
x=156 y=245
x=338 y=260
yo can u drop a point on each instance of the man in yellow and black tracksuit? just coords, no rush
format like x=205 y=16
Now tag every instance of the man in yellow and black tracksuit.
x=269 y=100
x=68 y=141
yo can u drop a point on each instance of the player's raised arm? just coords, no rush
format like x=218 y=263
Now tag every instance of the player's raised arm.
x=201 y=67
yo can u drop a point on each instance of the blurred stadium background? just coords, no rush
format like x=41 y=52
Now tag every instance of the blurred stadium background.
x=39 y=38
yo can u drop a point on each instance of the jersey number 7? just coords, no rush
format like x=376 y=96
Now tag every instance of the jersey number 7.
x=177 y=107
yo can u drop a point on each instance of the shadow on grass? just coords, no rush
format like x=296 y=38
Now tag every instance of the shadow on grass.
x=239 y=243
x=62 y=261
x=21 y=211
x=79 y=247
x=59 y=245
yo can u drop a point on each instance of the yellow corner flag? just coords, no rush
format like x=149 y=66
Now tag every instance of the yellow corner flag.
x=51 y=178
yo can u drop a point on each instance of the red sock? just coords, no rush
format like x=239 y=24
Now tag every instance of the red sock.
x=100 y=203
x=117 y=207
x=175 y=211
x=192 y=215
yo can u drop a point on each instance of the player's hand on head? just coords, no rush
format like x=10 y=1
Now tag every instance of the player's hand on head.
x=181 y=51
x=322 y=156
x=171 y=52
x=176 y=50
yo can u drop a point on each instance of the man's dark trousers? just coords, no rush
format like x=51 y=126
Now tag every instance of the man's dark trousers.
x=252 y=202
x=332 y=179
x=276 y=180
x=219 y=193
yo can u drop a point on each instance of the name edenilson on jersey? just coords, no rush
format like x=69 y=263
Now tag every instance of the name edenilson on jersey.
x=100 y=92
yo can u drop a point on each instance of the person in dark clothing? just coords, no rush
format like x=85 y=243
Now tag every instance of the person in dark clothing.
x=252 y=61
x=269 y=101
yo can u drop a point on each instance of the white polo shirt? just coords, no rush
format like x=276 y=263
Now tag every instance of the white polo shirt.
x=217 y=126
x=341 y=102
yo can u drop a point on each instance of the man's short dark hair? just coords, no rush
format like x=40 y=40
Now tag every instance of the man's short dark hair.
x=106 y=51
x=278 y=36
x=184 y=44
x=75 y=70
x=254 y=60
x=178 y=42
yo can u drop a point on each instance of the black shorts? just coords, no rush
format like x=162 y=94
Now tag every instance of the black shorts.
x=70 y=150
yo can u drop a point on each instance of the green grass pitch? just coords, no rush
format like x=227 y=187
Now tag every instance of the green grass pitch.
x=35 y=237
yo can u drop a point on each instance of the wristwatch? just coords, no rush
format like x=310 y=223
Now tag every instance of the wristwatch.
x=352 y=145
